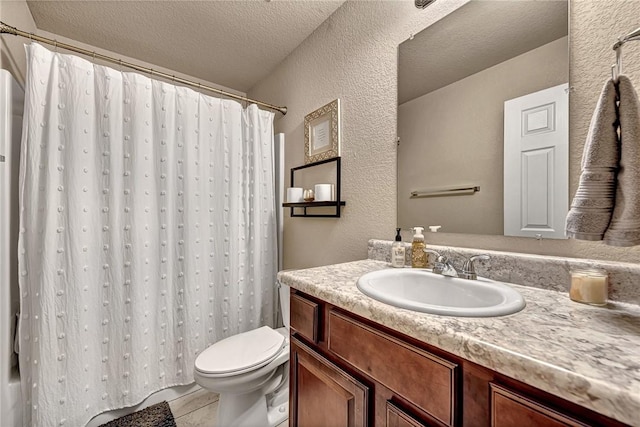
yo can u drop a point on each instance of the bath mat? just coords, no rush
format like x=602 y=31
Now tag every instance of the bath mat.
x=154 y=416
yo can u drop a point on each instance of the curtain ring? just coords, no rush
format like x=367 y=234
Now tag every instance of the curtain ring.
x=31 y=36
x=55 y=45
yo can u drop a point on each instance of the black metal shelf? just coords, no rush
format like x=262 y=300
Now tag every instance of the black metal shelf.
x=305 y=205
x=312 y=204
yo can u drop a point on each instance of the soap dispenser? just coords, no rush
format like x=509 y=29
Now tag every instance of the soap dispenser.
x=397 y=251
x=418 y=255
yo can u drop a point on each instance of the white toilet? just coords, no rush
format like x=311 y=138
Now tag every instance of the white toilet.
x=250 y=371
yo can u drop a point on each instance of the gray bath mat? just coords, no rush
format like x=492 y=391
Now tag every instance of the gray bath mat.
x=154 y=416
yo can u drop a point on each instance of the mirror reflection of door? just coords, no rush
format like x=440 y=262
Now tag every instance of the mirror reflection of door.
x=536 y=160
x=453 y=80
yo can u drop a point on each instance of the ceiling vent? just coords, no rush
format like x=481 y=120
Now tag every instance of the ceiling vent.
x=421 y=4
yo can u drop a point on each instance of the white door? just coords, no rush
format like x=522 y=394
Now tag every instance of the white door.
x=536 y=163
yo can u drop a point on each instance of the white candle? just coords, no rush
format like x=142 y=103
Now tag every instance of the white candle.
x=294 y=195
x=324 y=193
x=589 y=286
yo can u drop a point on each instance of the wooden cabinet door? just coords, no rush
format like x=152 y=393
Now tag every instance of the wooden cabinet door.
x=511 y=409
x=396 y=417
x=322 y=394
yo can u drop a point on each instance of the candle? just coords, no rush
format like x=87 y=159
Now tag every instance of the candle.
x=590 y=286
x=294 y=195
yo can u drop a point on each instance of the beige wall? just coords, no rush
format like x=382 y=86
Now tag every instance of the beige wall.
x=353 y=56
x=12 y=55
x=436 y=151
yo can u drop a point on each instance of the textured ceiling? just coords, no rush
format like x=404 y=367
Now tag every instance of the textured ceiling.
x=478 y=35
x=230 y=43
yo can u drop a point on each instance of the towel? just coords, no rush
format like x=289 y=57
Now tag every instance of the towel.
x=593 y=202
x=624 y=229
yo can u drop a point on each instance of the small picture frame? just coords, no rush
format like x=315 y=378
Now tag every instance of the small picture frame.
x=322 y=133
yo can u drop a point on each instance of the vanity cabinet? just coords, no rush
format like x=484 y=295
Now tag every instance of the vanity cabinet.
x=350 y=371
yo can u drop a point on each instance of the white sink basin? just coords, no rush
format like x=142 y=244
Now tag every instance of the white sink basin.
x=422 y=290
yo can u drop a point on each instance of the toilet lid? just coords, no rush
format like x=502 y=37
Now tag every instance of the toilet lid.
x=250 y=349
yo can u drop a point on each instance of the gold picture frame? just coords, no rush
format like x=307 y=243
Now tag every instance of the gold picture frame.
x=322 y=133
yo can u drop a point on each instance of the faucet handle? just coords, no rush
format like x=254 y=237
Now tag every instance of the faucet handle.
x=468 y=269
x=439 y=258
x=441 y=262
x=431 y=251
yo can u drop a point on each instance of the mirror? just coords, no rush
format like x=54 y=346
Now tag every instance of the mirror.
x=454 y=78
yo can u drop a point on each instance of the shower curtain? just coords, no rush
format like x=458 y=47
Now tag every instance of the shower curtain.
x=147 y=233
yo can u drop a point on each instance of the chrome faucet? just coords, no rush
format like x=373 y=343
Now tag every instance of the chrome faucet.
x=468 y=269
x=444 y=267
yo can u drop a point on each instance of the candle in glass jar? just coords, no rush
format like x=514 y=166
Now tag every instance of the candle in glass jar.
x=590 y=286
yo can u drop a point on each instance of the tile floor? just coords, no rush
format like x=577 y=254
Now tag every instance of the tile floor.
x=198 y=409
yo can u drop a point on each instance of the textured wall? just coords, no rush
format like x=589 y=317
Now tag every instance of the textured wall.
x=12 y=55
x=435 y=151
x=353 y=56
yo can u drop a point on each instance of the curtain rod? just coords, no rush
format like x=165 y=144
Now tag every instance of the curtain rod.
x=8 y=29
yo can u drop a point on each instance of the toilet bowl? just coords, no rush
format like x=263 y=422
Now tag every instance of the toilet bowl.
x=250 y=371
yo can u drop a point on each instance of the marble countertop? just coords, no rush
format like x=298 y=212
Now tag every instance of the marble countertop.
x=587 y=355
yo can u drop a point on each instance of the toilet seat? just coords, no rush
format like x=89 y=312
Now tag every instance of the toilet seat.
x=241 y=353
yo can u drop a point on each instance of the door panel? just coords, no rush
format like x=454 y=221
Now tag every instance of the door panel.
x=396 y=417
x=536 y=164
x=323 y=395
x=511 y=409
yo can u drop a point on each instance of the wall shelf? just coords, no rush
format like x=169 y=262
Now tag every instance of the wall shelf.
x=305 y=205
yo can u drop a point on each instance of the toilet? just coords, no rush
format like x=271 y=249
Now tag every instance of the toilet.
x=250 y=371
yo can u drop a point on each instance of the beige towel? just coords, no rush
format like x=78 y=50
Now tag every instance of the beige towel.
x=624 y=229
x=593 y=202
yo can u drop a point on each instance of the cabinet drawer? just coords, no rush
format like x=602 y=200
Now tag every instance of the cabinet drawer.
x=396 y=417
x=305 y=317
x=509 y=409
x=425 y=380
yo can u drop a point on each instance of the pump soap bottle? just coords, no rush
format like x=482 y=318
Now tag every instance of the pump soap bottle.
x=418 y=255
x=397 y=251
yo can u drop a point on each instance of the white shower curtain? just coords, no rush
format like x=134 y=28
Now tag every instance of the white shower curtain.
x=147 y=218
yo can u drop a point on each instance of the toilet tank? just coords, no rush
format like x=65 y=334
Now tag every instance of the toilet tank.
x=284 y=303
